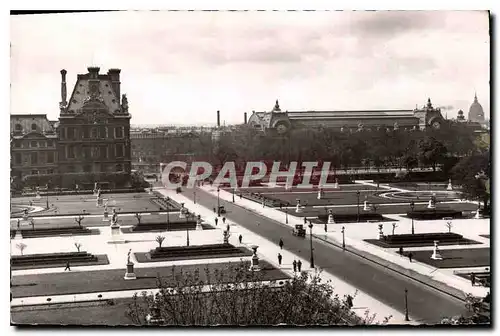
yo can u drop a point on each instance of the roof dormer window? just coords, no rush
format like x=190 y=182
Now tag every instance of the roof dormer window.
x=33 y=127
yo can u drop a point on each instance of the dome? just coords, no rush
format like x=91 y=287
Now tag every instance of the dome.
x=476 y=111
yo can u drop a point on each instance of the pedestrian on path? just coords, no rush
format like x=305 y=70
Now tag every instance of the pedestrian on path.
x=410 y=256
x=241 y=195
x=294 y=265
x=299 y=265
x=473 y=279
x=216 y=221
x=67 y=266
x=240 y=238
x=349 y=301
x=215 y=210
x=224 y=220
x=281 y=244
x=227 y=227
x=279 y=258
x=401 y=251
x=305 y=220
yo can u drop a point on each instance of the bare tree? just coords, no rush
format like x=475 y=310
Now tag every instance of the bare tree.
x=159 y=240
x=78 y=246
x=449 y=225
x=79 y=220
x=394 y=226
x=21 y=247
x=233 y=295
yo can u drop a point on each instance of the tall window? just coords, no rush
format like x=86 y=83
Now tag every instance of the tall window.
x=87 y=168
x=71 y=152
x=34 y=158
x=103 y=152
x=50 y=143
x=102 y=132
x=33 y=144
x=71 y=169
x=33 y=127
x=17 y=144
x=119 y=167
x=42 y=143
x=94 y=133
x=86 y=152
x=17 y=158
x=119 y=150
x=18 y=128
x=118 y=132
x=50 y=157
x=86 y=133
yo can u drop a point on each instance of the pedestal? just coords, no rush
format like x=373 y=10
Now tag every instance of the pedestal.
x=450 y=187
x=130 y=274
x=336 y=184
x=116 y=234
x=478 y=214
x=330 y=219
x=105 y=218
x=366 y=206
x=320 y=194
x=255 y=263
x=431 y=205
x=198 y=226
x=18 y=235
x=182 y=214
x=298 y=208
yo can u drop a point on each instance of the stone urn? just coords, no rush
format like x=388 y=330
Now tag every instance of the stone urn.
x=255 y=259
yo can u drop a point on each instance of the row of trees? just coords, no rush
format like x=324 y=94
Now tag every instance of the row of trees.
x=344 y=149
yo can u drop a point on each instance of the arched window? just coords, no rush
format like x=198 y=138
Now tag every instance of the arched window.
x=33 y=127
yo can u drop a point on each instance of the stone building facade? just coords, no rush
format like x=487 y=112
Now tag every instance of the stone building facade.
x=33 y=145
x=282 y=121
x=90 y=142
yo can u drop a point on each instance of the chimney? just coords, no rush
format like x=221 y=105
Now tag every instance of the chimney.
x=114 y=76
x=245 y=118
x=218 y=119
x=93 y=71
x=63 y=87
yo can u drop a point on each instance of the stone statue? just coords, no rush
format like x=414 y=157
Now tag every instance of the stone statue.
x=128 y=256
x=18 y=224
x=124 y=103
x=114 y=218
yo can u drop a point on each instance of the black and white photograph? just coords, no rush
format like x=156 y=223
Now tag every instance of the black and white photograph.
x=250 y=168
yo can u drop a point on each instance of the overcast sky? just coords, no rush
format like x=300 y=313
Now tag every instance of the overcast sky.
x=180 y=67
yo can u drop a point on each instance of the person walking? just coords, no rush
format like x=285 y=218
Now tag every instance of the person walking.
x=227 y=227
x=223 y=220
x=294 y=265
x=216 y=221
x=299 y=265
x=473 y=279
x=349 y=301
x=305 y=220
x=240 y=238
x=67 y=266
x=281 y=244
x=410 y=256
x=280 y=257
x=215 y=210
x=401 y=251
x=241 y=195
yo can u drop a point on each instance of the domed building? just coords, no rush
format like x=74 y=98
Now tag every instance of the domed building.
x=476 y=111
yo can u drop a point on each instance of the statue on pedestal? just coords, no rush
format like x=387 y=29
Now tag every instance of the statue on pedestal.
x=128 y=256
x=380 y=231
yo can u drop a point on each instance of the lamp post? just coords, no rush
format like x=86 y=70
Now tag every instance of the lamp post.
x=311 y=241
x=218 y=202
x=357 y=194
x=233 y=195
x=343 y=238
x=47 y=200
x=412 y=205
x=286 y=213
x=407 y=318
x=168 y=212
x=194 y=195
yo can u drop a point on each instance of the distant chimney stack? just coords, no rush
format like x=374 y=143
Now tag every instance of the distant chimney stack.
x=218 y=118
x=245 y=118
x=63 y=87
x=93 y=71
x=114 y=76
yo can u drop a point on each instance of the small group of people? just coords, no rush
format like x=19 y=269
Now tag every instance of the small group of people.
x=410 y=254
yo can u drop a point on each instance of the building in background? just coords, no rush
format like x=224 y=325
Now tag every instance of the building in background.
x=90 y=142
x=281 y=122
x=33 y=145
x=476 y=113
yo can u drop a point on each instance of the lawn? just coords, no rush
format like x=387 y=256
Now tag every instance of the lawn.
x=76 y=204
x=477 y=257
x=112 y=280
